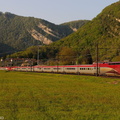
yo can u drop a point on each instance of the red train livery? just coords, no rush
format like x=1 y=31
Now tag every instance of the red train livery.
x=103 y=68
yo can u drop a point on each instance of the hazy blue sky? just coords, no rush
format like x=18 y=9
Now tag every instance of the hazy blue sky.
x=56 y=11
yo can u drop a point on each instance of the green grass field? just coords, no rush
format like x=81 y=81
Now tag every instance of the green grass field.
x=43 y=96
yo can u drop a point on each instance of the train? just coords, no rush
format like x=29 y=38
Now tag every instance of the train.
x=101 y=69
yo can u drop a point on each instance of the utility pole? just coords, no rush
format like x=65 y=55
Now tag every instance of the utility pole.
x=38 y=56
x=58 y=64
x=1 y=62
x=97 y=59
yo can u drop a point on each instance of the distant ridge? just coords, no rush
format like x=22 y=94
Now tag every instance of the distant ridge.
x=22 y=32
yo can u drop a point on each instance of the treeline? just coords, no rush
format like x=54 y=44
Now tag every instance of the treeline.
x=52 y=55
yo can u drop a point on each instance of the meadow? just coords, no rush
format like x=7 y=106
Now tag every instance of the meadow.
x=44 y=96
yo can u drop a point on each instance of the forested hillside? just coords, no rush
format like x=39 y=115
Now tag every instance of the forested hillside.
x=103 y=30
x=19 y=33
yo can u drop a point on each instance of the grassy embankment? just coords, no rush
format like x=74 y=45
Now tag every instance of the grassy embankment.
x=38 y=96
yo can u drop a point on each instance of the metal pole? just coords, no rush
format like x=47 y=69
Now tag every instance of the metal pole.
x=97 y=58
x=1 y=62
x=38 y=56
x=57 y=63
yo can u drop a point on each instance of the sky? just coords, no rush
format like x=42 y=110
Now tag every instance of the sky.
x=56 y=11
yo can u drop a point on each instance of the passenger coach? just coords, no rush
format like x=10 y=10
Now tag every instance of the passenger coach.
x=103 y=68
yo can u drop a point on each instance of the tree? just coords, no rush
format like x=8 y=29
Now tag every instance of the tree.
x=67 y=56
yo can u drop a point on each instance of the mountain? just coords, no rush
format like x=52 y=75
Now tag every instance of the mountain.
x=103 y=30
x=19 y=32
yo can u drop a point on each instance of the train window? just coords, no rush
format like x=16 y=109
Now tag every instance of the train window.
x=82 y=68
x=89 y=68
x=38 y=68
x=70 y=68
x=56 y=68
x=86 y=68
x=47 y=68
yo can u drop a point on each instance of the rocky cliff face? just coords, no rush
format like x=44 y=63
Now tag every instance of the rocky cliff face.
x=38 y=36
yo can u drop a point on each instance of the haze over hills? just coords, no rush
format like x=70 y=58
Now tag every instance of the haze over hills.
x=18 y=33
